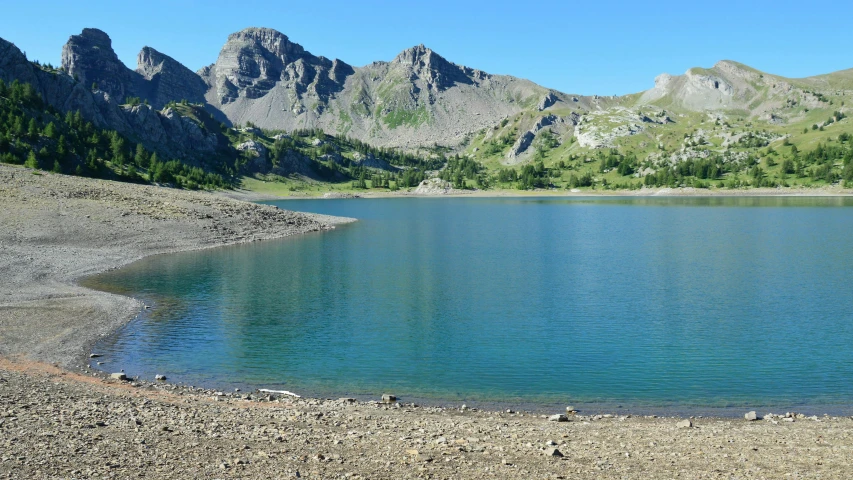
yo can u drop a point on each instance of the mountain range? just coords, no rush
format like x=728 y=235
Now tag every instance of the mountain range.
x=418 y=100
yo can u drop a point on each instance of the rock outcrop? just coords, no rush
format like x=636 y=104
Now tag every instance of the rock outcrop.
x=256 y=150
x=436 y=186
x=90 y=59
x=526 y=139
x=547 y=101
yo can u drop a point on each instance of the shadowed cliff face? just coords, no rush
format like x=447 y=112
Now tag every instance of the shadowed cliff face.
x=163 y=79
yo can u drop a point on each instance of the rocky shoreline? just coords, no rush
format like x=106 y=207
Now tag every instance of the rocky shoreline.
x=60 y=421
x=57 y=423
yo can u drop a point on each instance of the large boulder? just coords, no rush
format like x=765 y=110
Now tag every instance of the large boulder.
x=435 y=186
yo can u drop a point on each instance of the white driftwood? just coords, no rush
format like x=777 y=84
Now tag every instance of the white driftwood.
x=280 y=392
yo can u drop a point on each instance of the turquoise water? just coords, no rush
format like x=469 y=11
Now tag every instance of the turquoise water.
x=643 y=303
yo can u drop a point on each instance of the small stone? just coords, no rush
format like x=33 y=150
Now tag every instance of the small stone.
x=551 y=443
x=558 y=418
x=94 y=355
x=346 y=400
x=412 y=451
x=161 y=378
x=118 y=376
x=751 y=416
x=571 y=410
x=685 y=424
x=388 y=398
x=441 y=440
x=553 y=452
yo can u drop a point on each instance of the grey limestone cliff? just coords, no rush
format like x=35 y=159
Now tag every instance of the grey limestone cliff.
x=257 y=60
x=90 y=59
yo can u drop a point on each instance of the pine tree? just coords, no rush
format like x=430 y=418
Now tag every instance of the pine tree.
x=32 y=161
x=141 y=156
x=61 y=149
x=33 y=130
x=50 y=130
x=117 y=148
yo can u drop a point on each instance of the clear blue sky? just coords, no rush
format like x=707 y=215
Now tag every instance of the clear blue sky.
x=604 y=47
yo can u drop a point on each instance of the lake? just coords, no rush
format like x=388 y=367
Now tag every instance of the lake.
x=624 y=303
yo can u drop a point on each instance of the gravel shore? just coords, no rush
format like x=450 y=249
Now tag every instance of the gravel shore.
x=60 y=424
x=57 y=229
x=57 y=421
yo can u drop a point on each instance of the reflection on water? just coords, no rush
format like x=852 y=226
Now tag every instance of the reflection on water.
x=643 y=301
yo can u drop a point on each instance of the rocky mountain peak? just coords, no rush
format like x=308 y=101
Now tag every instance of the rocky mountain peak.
x=95 y=37
x=150 y=62
x=267 y=39
x=418 y=55
x=255 y=60
x=431 y=67
x=164 y=79
x=90 y=58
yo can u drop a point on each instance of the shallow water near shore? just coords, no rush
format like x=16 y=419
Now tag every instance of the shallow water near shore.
x=632 y=304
